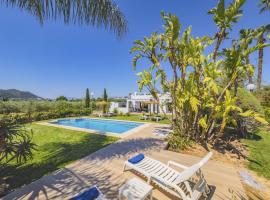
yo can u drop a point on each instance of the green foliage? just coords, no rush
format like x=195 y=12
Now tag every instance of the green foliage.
x=247 y=101
x=87 y=99
x=55 y=148
x=27 y=111
x=177 y=143
x=115 y=111
x=38 y=116
x=259 y=157
x=61 y=98
x=267 y=114
x=203 y=88
x=264 y=96
x=105 y=96
x=224 y=17
x=15 y=142
x=105 y=104
x=264 y=5
x=90 y=12
x=38 y=106
x=252 y=116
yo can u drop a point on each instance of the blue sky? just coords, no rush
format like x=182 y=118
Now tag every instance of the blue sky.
x=56 y=59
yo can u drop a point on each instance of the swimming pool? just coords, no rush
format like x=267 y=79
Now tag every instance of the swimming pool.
x=111 y=126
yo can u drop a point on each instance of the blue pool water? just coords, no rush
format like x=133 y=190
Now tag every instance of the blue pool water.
x=99 y=125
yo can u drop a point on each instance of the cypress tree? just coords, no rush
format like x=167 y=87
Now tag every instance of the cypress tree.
x=105 y=99
x=87 y=99
x=105 y=96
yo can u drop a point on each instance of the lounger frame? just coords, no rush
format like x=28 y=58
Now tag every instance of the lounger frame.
x=188 y=184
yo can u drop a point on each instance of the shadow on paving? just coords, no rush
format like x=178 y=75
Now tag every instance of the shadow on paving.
x=70 y=181
x=65 y=183
x=53 y=157
x=125 y=148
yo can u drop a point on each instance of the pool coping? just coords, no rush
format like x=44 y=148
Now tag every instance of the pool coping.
x=122 y=135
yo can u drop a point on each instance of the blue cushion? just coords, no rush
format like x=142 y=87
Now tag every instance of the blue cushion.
x=89 y=194
x=136 y=159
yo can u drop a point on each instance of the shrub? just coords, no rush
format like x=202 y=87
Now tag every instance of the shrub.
x=247 y=101
x=115 y=111
x=264 y=96
x=178 y=143
x=37 y=116
x=267 y=113
x=61 y=98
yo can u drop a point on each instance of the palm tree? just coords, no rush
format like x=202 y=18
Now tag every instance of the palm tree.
x=247 y=35
x=90 y=12
x=261 y=39
x=265 y=5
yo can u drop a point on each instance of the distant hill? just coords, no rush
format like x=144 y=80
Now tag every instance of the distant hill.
x=17 y=94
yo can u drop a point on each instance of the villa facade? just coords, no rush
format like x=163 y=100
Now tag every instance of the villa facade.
x=138 y=103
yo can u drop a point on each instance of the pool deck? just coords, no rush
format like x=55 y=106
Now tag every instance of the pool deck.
x=104 y=169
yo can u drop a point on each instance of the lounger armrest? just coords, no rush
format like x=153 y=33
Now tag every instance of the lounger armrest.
x=176 y=164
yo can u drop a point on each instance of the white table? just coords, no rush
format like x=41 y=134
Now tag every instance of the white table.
x=135 y=189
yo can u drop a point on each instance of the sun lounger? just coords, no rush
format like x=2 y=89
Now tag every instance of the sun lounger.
x=156 y=118
x=162 y=133
x=92 y=193
x=144 y=117
x=174 y=182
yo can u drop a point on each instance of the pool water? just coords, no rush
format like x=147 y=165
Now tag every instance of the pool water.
x=99 y=125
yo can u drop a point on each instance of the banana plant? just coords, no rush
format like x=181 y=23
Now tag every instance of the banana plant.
x=224 y=19
x=201 y=85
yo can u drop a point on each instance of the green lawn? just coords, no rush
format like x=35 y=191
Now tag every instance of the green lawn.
x=136 y=118
x=56 y=147
x=259 y=149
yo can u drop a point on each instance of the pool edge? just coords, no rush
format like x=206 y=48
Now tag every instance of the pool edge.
x=122 y=135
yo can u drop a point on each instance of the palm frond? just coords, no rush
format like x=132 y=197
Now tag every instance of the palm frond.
x=264 y=5
x=90 y=12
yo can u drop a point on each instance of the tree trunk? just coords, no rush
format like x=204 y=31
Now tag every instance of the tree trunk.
x=250 y=81
x=220 y=37
x=260 y=63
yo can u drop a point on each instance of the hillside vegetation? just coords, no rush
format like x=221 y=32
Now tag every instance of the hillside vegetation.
x=17 y=94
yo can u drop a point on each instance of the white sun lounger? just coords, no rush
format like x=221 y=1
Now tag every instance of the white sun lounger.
x=189 y=184
x=91 y=193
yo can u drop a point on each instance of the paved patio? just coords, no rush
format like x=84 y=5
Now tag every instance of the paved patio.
x=104 y=169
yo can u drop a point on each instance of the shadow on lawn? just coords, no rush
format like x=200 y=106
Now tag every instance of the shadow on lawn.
x=54 y=156
x=87 y=172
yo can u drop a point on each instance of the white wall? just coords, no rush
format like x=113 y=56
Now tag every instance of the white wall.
x=114 y=105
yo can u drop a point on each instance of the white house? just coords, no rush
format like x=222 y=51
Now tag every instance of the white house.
x=143 y=103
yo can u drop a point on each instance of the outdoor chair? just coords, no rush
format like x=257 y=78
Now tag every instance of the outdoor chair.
x=188 y=184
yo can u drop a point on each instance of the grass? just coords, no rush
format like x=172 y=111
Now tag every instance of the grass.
x=136 y=118
x=259 y=153
x=56 y=147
